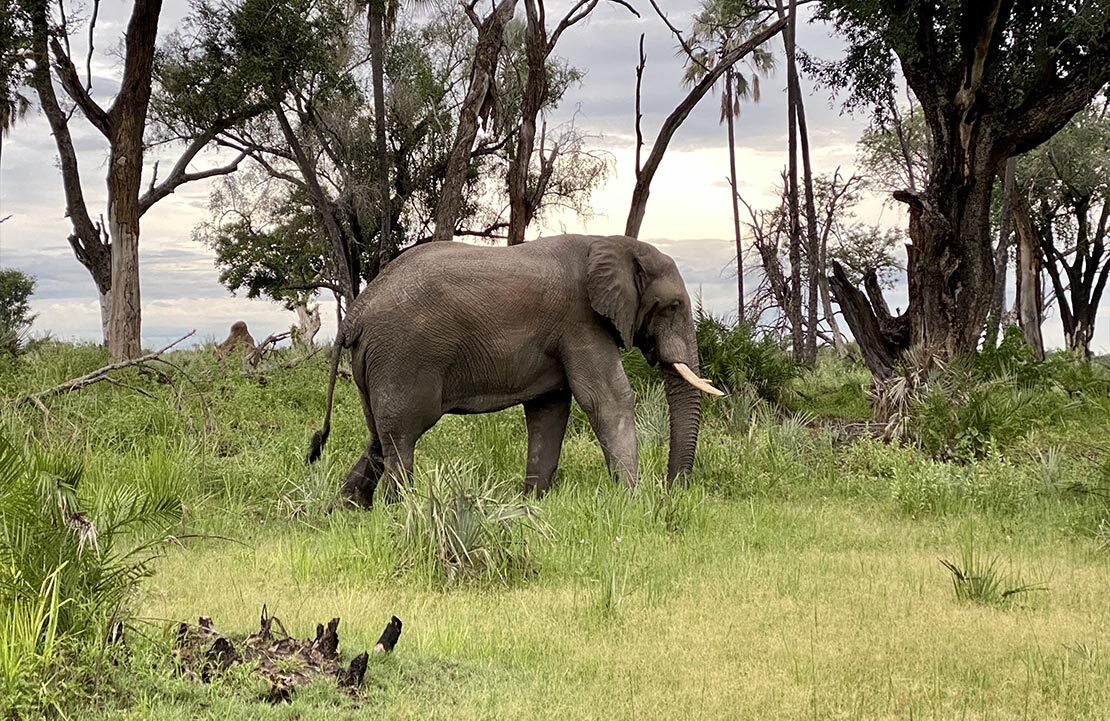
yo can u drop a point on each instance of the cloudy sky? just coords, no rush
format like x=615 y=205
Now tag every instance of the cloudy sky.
x=689 y=215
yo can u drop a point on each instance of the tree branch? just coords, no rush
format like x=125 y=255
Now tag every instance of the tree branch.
x=98 y=375
x=71 y=83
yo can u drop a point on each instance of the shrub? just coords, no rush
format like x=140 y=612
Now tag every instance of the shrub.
x=459 y=524
x=982 y=580
x=69 y=557
x=15 y=312
x=734 y=360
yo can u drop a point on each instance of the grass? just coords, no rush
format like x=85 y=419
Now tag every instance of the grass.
x=794 y=576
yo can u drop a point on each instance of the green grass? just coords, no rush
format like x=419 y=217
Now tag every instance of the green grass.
x=793 y=577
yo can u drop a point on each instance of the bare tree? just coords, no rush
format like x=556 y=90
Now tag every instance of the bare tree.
x=110 y=250
x=646 y=172
x=477 y=106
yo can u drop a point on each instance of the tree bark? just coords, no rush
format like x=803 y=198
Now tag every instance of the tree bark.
x=640 y=193
x=476 y=106
x=535 y=92
x=1028 y=278
x=882 y=340
x=729 y=80
x=1001 y=258
x=126 y=122
x=794 y=310
x=376 y=20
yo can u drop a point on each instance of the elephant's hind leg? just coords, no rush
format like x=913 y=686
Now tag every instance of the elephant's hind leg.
x=362 y=479
x=546 y=418
x=401 y=420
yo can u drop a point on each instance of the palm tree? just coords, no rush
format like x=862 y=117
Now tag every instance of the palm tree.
x=380 y=17
x=722 y=26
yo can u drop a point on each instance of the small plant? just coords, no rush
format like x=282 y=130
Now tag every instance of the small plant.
x=982 y=580
x=462 y=525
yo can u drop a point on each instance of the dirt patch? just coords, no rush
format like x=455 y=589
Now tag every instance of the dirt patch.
x=202 y=654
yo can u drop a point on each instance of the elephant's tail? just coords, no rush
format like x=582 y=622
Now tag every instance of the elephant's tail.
x=320 y=437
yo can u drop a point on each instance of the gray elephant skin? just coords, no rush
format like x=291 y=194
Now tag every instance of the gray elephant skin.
x=457 y=328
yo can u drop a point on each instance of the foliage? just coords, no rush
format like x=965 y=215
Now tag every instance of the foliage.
x=15 y=311
x=735 y=360
x=932 y=33
x=982 y=580
x=462 y=525
x=70 y=557
x=14 y=39
x=894 y=150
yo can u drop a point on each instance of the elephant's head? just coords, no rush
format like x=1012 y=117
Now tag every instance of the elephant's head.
x=639 y=290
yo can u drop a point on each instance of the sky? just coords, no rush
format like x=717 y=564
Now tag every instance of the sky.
x=688 y=216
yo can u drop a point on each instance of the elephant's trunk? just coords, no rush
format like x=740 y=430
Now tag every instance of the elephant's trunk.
x=684 y=401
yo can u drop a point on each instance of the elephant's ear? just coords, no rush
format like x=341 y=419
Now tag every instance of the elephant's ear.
x=611 y=272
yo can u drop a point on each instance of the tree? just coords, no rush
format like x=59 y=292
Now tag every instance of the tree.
x=286 y=245
x=719 y=27
x=994 y=79
x=646 y=172
x=110 y=250
x=269 y=243
x=15 y=311
x=478 y=105
x=14 y=40
x=1062 y=206
x=524 y=191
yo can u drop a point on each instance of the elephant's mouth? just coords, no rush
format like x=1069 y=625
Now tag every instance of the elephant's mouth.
x=692 y=378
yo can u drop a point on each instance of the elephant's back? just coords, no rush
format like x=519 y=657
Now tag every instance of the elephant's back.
x=449 y=289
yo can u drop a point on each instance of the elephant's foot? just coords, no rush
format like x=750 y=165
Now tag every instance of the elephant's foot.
x=358 y=486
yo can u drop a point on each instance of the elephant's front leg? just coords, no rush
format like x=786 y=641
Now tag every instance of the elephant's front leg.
x=546 y=418
x=599 y=384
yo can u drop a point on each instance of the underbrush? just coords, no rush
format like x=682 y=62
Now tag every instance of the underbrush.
x=92 y=491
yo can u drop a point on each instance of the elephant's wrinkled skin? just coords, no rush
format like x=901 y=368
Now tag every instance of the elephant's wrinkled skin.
x=458 y=328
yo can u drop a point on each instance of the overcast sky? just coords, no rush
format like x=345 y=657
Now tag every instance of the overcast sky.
x=689 y=215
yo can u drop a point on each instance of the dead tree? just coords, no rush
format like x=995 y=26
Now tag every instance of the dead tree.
x=645 y=174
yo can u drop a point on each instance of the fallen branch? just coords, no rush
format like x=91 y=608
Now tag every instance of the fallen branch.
x=98 y=375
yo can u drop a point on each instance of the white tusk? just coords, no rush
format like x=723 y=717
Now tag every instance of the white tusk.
x=700 y=383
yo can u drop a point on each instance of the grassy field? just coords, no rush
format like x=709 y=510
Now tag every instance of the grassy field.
x=798 y=575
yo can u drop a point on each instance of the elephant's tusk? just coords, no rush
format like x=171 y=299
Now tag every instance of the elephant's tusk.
x=700 y=383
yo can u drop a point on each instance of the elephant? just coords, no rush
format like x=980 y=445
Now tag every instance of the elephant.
x=451 y=327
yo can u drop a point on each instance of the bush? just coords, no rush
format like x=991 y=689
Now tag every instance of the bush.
x=459 y=524
x=69 y=557
x=15 y=312
x=734 y=360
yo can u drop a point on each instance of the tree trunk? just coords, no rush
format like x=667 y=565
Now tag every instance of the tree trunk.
x=105 y=314
x=344 y=255
x=1028 y=278
x=535 y=92
x=794 y=310
x=124 y=306
x=1001 y=257
x=376 y=20
x=740 y=316
x=826 y=302
x=476 y=106
x=951 y=284
x=126 y=124
x=308 y=325
x=882 y=339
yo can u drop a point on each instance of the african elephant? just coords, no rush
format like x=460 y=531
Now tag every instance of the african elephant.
x=457 y=328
